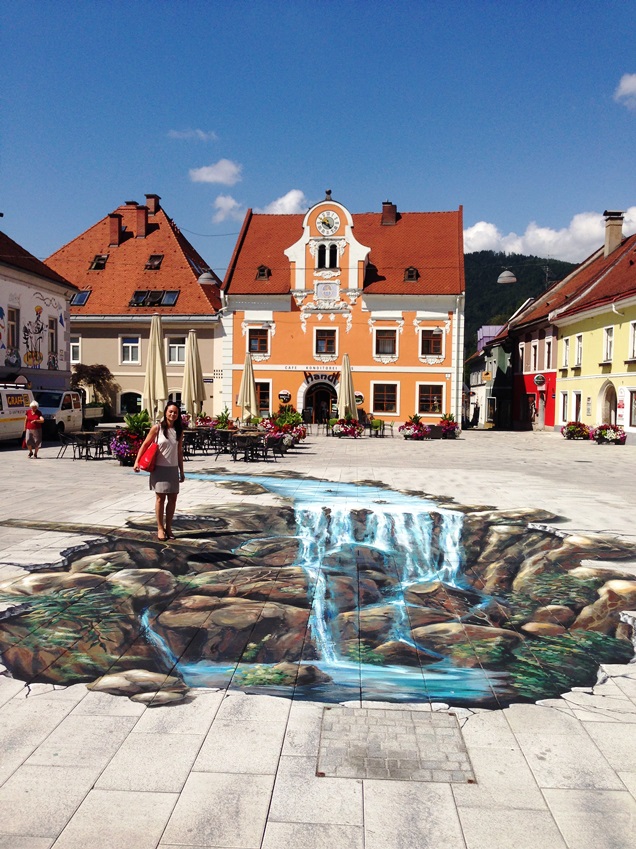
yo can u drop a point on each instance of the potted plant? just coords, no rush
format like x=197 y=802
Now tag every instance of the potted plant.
x=223 y=420
x=347 y=427
x=576 y=430
x=415 y=428
x=450 y=428
x=609 y=434
x=127 y=440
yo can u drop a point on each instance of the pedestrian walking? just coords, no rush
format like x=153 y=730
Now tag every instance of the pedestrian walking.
x=33 y=422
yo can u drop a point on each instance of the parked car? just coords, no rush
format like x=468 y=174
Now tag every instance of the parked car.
x=62 y=410
x=14 y=402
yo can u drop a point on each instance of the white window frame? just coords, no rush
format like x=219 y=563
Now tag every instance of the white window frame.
x=578 y=350
x=534 y=364
x=333 y=356
x=423 y=357
x=548 y=354
x=632 y=341
x=575 y=395
x=564 y=407
x=566 y=352
x=269 y=340
x=416 y=406
x=271 y=397
x=391 y=357
x=13 y=327
x=608 y=343
x=174 y=345
x=522 y=357
x=52 y=331
x=396 y=383
x=76 y=342
x=122 y=344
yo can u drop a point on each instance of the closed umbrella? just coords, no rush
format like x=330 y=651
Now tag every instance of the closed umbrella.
x=193 y=391
x=247 y=393
x=346 y=392
x=155 y=392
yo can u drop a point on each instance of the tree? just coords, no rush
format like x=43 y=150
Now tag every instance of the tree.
x=99 y=379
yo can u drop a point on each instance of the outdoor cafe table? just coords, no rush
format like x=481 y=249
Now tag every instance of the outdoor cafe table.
x=87 y=441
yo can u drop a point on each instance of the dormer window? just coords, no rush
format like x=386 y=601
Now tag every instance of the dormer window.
x=411 y=274
x=80 y=298
x=263 y=272
x=99 y=262
x=327 y=256
x=154 y=298
x=154 y=262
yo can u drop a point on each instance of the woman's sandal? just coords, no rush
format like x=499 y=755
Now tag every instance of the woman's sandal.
x=162 y=538
x=170 y=535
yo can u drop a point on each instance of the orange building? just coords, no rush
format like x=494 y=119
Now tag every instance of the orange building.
x=387 y=288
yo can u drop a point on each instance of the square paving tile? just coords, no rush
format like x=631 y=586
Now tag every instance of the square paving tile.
x=404 y=745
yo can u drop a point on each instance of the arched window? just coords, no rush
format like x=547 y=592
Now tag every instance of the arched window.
x=322 y=256
x=130 y=402
x=333 y=256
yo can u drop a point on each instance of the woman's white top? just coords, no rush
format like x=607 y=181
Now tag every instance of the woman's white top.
x=168 y=454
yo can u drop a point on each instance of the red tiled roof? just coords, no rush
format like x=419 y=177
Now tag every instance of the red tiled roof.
x=125 y=272
x=14 y=255
x=610 y=280
x=597 y=278
x=429 y=241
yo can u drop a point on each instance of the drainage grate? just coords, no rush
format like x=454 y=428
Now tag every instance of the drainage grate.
x=405 y=745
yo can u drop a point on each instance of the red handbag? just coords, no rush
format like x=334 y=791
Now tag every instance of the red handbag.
x=149 y=457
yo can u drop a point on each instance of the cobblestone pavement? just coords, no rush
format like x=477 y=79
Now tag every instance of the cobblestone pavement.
x=225 y=769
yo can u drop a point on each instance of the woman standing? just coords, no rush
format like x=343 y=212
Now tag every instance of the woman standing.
x=168 y=471
x=33 y=422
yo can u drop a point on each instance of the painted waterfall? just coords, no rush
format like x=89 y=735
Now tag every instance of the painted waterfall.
x=327 y=591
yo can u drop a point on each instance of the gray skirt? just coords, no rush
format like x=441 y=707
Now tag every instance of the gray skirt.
x=164 y=479
x=33 y=437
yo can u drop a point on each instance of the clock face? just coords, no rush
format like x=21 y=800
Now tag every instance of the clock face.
x=327 y=223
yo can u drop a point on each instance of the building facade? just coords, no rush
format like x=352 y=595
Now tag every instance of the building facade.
x=597 y=337
x=385 y=288
x=135 y=262
x=34 y=320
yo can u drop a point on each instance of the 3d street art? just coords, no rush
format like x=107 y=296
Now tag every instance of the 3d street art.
x=327 y=591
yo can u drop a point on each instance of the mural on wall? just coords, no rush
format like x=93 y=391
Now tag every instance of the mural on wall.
x=32 y=335
x=336 y=592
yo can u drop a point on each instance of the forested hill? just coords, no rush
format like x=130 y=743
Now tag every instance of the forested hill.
x=489 y=302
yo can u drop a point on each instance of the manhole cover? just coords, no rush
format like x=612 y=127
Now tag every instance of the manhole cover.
x=406 y=745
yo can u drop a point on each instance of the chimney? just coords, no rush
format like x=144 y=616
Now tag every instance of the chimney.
x=152 y=202
x=613 y=230
x=142 y=222
x=389 y=212
x=114 y=232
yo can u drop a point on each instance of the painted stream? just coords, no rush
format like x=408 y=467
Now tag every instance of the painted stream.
x=419 y=539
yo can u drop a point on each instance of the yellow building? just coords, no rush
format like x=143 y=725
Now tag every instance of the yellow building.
x=596 y=321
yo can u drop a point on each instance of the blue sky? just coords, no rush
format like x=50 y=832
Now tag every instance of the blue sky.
x=523 y=112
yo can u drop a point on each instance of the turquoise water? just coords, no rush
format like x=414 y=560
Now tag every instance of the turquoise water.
x=421 y=541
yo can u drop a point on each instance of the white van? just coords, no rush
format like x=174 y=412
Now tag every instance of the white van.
x=14 y=402
x=62 y=410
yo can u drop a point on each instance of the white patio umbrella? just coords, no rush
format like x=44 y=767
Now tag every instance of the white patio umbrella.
x=247 y=393
x=155 y=392
x=346 y=393
x=193 y=390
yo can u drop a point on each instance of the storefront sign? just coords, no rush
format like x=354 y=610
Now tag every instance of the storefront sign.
x=359 y=398
x=284 y=396
x=321 y=377
x=620 y=406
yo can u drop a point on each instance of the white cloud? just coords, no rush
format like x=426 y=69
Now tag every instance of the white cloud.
x=291 y=203
x=224 y=171
x=584 y=235
x=626 y=91
x=196 y=135
x=226 y=207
